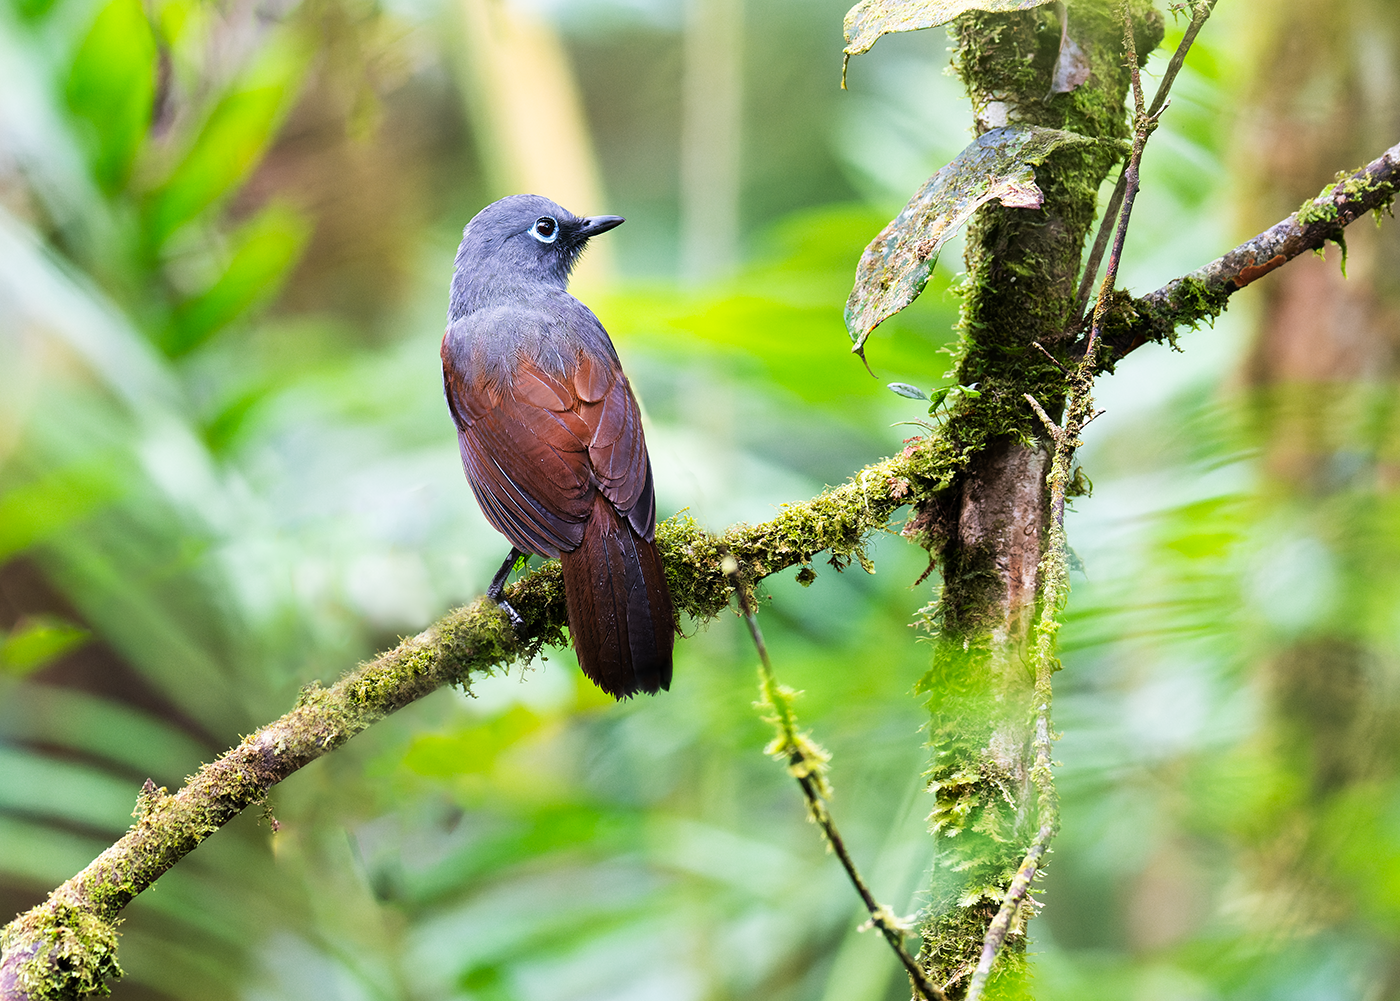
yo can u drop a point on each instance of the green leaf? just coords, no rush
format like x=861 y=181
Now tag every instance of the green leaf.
x=905 y=389
x=39 y=509
x=223 y=428
x=111 y=88
x=232 y=141
x=869 y=19
x=36 y=641
x=265 y=249
x=897 y=264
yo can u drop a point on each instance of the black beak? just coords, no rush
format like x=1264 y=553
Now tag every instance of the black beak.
x=593 y=225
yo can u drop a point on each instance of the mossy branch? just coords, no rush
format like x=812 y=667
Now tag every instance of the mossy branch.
x=1203 y=294
x=66 y=947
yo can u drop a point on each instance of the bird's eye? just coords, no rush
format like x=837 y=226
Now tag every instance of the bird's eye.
x=545 y=229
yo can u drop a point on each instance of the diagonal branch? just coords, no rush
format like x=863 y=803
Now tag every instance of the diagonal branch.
x=1204 y=293
x=66 y=947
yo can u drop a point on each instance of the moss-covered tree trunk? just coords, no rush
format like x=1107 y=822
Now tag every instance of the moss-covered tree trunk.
x=989 y=527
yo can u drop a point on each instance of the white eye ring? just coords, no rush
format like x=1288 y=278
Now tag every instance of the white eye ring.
x=545 y=229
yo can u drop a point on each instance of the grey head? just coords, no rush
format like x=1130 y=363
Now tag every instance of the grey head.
x=519 y=247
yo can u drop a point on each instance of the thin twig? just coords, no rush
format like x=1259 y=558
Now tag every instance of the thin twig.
x=1056 y=432
x=1200 y=13
x=1049 y=808
x=1091 y=267
x=1000 y=927
x=1115 y=202
x=1134 y=70
x=806 y=763
x=1053 y=360
x=1144 y=124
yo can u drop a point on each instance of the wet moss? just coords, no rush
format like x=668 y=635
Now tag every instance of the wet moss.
x=63 y=952
x=1349 y=186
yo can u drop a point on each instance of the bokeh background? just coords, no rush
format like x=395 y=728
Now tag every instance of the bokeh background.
x=226 y=470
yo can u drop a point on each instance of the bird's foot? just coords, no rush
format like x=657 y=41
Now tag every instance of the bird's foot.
x=515 y=620
x=496 y=592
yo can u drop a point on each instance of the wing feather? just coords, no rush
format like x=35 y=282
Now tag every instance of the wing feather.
x=543 y=429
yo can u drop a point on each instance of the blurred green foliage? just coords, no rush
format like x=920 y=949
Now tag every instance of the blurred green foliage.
x=111 y=89
x=225 y=471
x=32 y=643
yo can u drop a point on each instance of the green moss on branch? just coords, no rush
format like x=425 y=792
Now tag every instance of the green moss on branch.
x=1203 y=295
x=66 y=947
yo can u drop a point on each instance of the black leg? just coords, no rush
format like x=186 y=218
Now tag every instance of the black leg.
x=498 y=586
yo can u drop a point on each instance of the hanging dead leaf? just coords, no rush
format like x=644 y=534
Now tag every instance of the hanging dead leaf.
x=869 y=19
x=895 y=267
x=1072 y=67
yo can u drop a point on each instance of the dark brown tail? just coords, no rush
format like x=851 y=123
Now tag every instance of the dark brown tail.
x=620 y=610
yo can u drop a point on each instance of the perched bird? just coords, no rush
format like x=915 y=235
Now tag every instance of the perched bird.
x=551 y=436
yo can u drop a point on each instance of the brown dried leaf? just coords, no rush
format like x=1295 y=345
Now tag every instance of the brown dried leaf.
x=1072 y=67
x=895 y=267
x=869 y=19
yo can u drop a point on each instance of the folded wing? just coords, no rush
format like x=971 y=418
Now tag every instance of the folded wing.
x=542 y=431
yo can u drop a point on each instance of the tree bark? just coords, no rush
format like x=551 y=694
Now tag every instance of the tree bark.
x=1002 y=519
